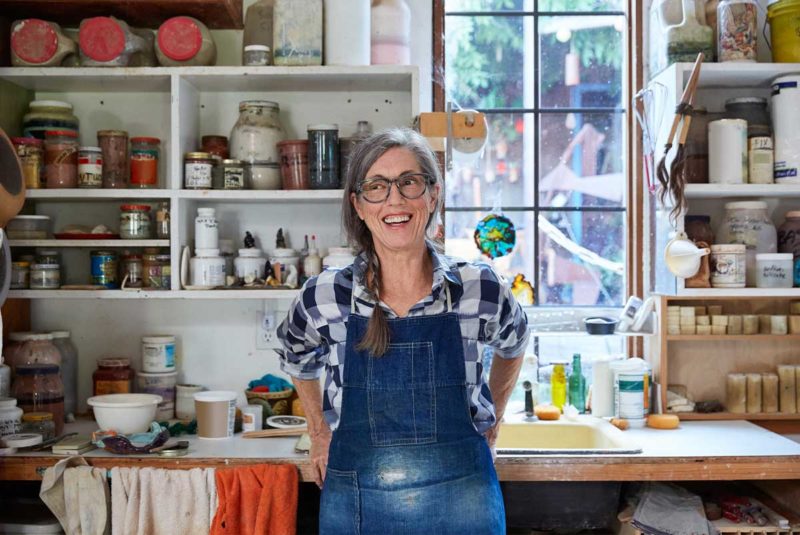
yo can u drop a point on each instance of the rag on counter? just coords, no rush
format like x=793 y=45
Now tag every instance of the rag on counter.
x=78 y=496
x=155 y=501
x=257 y=500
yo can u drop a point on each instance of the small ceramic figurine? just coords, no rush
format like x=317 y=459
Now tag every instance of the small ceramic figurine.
x=249 y=240
x=280 y=240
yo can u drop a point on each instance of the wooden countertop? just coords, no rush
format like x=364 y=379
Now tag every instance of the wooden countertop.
x=715 y=450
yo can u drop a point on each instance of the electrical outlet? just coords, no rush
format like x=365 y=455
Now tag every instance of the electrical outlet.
x=267 y=331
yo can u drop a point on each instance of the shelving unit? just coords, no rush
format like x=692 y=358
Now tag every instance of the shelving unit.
x=154 y=294
x=88 y=243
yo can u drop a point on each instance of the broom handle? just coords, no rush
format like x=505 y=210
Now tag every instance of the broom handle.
x=687 y=97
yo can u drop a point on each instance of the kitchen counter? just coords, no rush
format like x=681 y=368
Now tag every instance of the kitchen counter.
x=707 y=450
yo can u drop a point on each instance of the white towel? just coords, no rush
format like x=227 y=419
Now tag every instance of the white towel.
x=154 y=501
x=78 y=496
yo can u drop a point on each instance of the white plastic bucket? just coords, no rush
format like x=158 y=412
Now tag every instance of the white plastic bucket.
x=785 y=118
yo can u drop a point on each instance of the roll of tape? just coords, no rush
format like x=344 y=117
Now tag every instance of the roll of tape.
x=22 y=440
x=467 y=151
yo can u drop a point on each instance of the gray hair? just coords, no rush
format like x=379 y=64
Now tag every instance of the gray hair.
x=363 y=157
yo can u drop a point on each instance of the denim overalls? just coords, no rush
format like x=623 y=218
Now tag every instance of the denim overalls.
x=406 y=457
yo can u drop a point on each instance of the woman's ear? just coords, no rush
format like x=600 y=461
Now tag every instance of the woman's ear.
x=435 y=192
x=354 y=202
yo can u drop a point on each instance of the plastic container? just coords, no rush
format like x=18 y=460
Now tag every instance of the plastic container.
x=775 y=270
x=185 y=41
x=30 y=152
x=294 y=163
x=44 y=115
x=250 y=264
x=206 y=229
x=160 y=384
x=38 y=388
x=258 y=27
x=737 y=30
x=784 y=21
x=312 y=263
x=110 y=42
x=747 y=223
x=347 y=32
x=10 y=416
x=285 y=257
x=69 y=372
x=728 y=265
x=144 y=162
x=158 y=354
x=338 y=257
x=112 y=376
x=90 y=167
x=785 y=108
x=678 y=32
x=390 y=41
x=61 y=159
x=184 y=401
x=116 y=160
x=134 y=222
x=323 y=156
x=631 y=390
x=257 y=131
x=207 y=268
x=28 y=227
x=198 y=170
x=297 y=35
x=39 y=43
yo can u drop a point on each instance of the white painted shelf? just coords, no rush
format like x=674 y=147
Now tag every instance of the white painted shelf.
x=733 y=75
x=717 y=191
x=154 y=294
x=73 y=195
x=89 y=243
x=548 y=334
x=294 y=196
x=739 y=292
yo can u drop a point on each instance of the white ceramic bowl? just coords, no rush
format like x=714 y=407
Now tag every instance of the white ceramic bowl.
x=125 y=413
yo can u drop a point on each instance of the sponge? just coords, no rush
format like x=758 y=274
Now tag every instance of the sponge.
x=547 y=412
x=663 y=421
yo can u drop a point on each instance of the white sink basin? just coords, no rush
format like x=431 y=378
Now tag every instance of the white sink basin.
x=585 y=436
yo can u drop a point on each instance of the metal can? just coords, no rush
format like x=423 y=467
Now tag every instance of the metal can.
x=90 y=167
x=197 y=170
x=104 y=268
x=323 y=156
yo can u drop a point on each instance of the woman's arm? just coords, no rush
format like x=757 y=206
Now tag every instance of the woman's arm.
x=310 y=395
x=502 y=378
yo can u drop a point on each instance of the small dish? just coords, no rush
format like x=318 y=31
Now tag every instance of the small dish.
x=286 y=422
x=600 y=325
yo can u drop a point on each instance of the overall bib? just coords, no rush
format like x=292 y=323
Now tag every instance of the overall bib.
x=406 y=458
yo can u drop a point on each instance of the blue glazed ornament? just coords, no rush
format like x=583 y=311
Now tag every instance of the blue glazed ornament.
x=495 y=236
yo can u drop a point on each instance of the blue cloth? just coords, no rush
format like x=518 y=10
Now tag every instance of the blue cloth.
x=406 y=457
x=275 y=384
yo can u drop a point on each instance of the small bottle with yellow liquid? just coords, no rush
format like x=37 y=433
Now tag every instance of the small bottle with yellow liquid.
x=558 y=385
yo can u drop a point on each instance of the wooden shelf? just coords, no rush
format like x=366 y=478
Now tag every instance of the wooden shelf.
x=726 y=293
x=689 y=416
x=731 y=337
x=88 y=243
x=216 y=14
x=720 y=191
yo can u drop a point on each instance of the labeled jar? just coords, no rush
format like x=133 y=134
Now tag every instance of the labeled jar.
x=20 y=275
x=294 y=163
x=230 y=174
x=298 y=36
x=789 y=234
x=90 y=167
x=185 y=41
x=158 y=354
x=132 y=271
x=156 y=270
x=257 y=131
x=250 y=265
x=206 y=229
x=38 y=388
x=41 y=423
x=162 y=221
x=31 y=155
x=728 y=265
x=116 y=164
x=45 y=277
x=47 y=115
x=323 y=156
x=215 y=145
x=10 y=416
x=134 y=222
x=207 y=268
x=256 y=56
x=112 y=376
x=144 y=162
x=61 y=158
x=197 y=170
x=774 y=270
x=104 y=268
x=746 y=222
x=760 y=160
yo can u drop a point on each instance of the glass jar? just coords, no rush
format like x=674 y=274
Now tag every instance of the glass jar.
x=61 y=159
x=257 y=131
x=229 y=174
x=37 y=348
x=323 y=156
x=104 y=268
x=754 y=111
x=256 y=56
x=162 y=221
x=41 y=423
x=144 y=162
x=16 y=342
x=10 y=416
x=696 y=168
x=298 y=40
x=47 y=115
x=134 y=222
x=265 y=176
x=132 y=268
x=38 y=388
x=90 y=167
x=746 y=222
x=69 y=371
x=20 y=275
x=294 y=163
x=198 y=169
x=48 y=257
x=156 y=270
x=116 y=165
x=112 y=376
x=166 y=271
x=737 y=30
x=31 y=155
x=789 y=234
x=110 y=42
x=45 y=277
x=698 y=228
x=215 y=145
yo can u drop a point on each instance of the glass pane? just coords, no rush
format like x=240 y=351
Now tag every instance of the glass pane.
x=484 y=58
x=581 y=258
x=451 y=6
x=582 y=5
x=460 y=242
x=503 y=176
x=582 y=61
x=581 y=159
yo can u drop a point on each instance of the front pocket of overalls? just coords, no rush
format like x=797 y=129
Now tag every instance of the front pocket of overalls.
x=340 y=504
x=401 y=395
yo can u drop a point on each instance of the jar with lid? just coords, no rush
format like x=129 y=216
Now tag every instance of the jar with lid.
x=215 y=145
x=47 y=256
x=10 y=416
x=38 y=388
x=747 y=223
x=390 y=42
x=338 y=257
x=61 y=159
x=250 y=265
x=110 y=42
x=185 y=41
x=265 y=175
x=154 y=267
x=41 y=423
x=323 y=156
x=257 y=56
x=90 y=167
x=207 y=268
x=206 y=229
x=39 y=43
x=31 y=156
x=144 y=162
x=229 y=174
x=298 y=39
x=698 y=228
x=166 y=271
x=737 y=30
x=789 y=240
x=162 y=221
x=258 y=27
x=104 y=268
x=294 y=163
x=20 y=275
x=16 y=342
x=754 y=111
x=36 y=348
x=47 y=115
x=45 y=277
x=116 y=165
x=69 y=371
x=198 y=168
x=132 y=268
x=112 y=376
x=134 y=222
x=257 y=131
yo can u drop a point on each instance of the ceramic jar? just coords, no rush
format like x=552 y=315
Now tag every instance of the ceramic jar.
x=44 y=115
x=258 y=130
x=250 y=264
x=746 y=222
x=338 y=257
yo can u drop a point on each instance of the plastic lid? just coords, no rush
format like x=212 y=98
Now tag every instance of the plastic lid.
x=775 y=256
x=180 y=38
x=746 y=205
x=206 y=211
x=90 y=149
x=41 y=337
x=37 y=416
x=8 y=403
x=20 y=336
x=197 y=156
x=145 y=139
x=323 y=127
x=729 y=248
x=64 y=133
x=50 y=104
x=114 y=362
x=250 y=253
x=206 y=253
x=26 y=141
x=135 y=207
x=159 y=338
x=34 y=40
x=101 y=38
x=23 y=440
x=284 y=252
x=34 y=369
x=256 y=48
x=104 y=133
x=59 y=334
x=792 y=214
x=258 y=104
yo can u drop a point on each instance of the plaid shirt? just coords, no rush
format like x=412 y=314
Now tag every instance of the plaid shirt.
x=314 y=332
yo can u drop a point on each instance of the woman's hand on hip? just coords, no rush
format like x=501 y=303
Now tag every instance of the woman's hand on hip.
x=491 y=437
x=320 y=443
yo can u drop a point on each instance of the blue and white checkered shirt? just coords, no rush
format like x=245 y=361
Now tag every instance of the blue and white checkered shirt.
x=314 y=332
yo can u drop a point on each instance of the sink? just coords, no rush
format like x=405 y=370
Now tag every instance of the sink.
x=586 y=435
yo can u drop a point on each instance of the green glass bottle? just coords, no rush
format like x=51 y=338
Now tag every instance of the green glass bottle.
x=577 y=385
x=558 y=386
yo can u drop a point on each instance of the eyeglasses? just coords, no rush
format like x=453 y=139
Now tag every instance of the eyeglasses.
x=410 y=186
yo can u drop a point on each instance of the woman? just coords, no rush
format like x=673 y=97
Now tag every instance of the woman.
x=413 y=421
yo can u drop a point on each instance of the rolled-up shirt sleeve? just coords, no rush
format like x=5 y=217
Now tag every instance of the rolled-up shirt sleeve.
x=507 y=332
x=304 y=351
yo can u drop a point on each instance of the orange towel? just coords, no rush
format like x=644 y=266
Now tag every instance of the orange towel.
x=257 y=500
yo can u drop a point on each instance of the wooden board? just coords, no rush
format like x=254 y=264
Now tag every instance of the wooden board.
x=216 y=14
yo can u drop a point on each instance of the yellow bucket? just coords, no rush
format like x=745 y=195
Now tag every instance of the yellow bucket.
x=784 y=21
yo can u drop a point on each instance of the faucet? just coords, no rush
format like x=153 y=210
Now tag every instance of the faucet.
x=528 y=387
